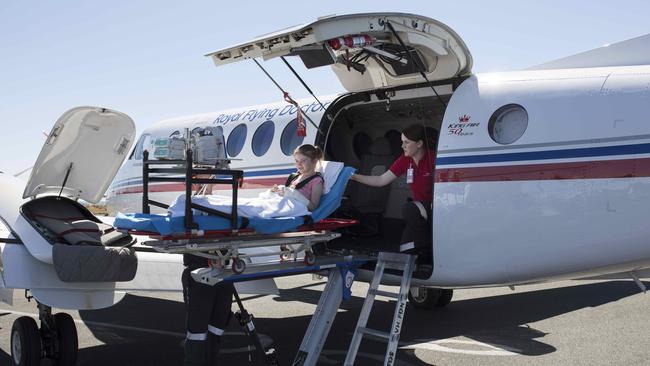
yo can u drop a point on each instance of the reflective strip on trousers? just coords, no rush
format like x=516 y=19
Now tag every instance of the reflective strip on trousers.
x=196 y=336
x=215 y=330
x=406 y=246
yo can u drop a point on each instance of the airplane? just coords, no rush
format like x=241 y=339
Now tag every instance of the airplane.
x=541 y=174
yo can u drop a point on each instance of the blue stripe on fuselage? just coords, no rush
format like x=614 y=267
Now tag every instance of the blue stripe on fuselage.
x=547 y=155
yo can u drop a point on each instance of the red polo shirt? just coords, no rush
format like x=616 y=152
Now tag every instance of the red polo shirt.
x=422 y=186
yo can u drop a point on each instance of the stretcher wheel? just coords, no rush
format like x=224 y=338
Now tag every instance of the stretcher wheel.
x=284 y=256
x=238 y=266
x=310 y=258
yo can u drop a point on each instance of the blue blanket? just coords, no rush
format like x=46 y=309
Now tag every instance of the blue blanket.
x=166 y=225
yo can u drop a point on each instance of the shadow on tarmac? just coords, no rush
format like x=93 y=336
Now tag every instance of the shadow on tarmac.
x=498 y=320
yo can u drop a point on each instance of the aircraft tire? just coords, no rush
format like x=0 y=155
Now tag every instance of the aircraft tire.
x=445 y=297
x=427 y=298
x=67 y=340
x=26 y=349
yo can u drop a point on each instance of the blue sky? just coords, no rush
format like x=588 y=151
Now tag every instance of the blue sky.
x=145 y=58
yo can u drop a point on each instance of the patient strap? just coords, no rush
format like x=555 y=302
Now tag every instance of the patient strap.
x=294 y=176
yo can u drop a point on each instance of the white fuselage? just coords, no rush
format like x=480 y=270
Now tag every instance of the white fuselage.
x=566 y=199
x=261 y=170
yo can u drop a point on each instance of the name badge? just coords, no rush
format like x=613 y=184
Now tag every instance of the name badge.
x=409 y=175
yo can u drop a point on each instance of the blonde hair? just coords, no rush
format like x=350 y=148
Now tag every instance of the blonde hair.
x=310 y=151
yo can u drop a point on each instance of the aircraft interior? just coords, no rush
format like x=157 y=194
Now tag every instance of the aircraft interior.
x=367 y=136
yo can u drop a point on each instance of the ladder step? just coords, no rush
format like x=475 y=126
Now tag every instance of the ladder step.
x=374 y=333
x=393 y=295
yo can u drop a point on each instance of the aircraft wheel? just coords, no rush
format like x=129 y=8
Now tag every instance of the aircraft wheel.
x=26 y=349
x=426 y=298
x=238 y=266
x=445 y=297
x=67 y=340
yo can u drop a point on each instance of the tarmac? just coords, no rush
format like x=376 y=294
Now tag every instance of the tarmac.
x=561 y=323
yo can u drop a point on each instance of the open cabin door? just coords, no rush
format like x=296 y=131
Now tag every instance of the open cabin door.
x=363 y=50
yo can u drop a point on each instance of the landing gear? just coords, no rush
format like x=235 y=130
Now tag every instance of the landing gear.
x=445 y=297
x=56 y=339
x=66 y=332
x=429 y=298
x=25 y=342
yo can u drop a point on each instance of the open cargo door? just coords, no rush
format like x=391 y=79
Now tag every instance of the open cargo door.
x=82 y=154
x=363 y=50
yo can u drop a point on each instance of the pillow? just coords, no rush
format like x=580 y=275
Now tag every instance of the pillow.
x=330 y=171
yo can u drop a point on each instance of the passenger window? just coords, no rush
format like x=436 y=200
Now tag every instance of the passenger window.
x=508 y=123
x=289 y=140
x=143 y=144
x=236 y=140
x=263 y=138
x=361 y=144
x=395 y=139
x=5 y=232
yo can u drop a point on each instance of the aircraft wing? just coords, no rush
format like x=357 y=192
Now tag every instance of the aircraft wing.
x=631 y=52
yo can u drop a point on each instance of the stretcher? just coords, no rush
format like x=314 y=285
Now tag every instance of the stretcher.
x=231 y=243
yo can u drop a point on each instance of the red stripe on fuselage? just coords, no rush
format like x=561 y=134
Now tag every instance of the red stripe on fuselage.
x=627 y=168
x=261 y=183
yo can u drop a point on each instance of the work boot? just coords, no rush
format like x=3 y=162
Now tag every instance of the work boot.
x=195 y=353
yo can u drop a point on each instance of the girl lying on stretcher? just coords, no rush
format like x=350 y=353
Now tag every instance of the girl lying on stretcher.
x=300 y=195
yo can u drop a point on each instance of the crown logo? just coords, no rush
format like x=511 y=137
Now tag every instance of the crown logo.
x=463 y=118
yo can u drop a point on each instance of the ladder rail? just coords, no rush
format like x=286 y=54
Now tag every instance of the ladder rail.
x=365 y=314
x=398 y=316
x=321 y=321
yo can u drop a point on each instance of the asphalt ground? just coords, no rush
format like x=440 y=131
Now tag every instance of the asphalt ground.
x=563 y=323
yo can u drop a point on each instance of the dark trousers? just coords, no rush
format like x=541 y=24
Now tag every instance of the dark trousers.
x=416 y=238
x=208 y=312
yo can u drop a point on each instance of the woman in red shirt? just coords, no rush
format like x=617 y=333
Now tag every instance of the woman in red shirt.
x=417 y=162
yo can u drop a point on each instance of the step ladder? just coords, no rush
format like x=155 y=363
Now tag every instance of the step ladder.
x=396 y=261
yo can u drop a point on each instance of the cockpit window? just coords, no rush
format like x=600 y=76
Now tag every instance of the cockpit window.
x=263 y=138
x=6 y=235
x=196 y=131
x=143 y=144
x=290 y=140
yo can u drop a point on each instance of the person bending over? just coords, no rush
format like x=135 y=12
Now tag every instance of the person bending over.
x=417 y=162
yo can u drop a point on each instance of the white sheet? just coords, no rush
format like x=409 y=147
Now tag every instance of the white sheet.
x=266 y=205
